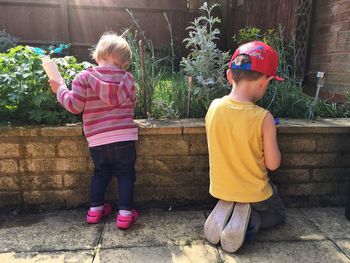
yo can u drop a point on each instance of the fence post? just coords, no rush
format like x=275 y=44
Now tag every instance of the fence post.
x=65 y=20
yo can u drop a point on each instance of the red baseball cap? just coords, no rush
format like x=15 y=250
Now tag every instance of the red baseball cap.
x=264 y=59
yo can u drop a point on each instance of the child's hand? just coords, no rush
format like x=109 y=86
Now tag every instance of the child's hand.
x=55 y=85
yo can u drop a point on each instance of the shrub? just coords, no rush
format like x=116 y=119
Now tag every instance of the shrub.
x=25 y=96
x=206 y=63
x=6 y=41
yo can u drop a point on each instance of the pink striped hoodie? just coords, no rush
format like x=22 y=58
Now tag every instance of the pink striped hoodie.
x=106 y=95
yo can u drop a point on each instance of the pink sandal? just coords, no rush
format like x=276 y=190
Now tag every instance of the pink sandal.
x=124 y=222
x=94 y=217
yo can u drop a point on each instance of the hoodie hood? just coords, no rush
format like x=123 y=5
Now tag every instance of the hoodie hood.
x=111 y=84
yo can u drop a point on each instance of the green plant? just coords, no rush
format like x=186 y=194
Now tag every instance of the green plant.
x=161 y=91
x=166 y=90
x=206 y=63
x=6 y=41
x=287 y=99
x=170 y=97
x=25 y=96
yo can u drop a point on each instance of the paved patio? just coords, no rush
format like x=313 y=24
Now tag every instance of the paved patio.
x=310 y=235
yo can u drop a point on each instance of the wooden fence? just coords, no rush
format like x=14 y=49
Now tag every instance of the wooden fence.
x=81 y=22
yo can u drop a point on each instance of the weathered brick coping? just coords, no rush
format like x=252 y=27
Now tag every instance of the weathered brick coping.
x=197 y=126
x=184 y=126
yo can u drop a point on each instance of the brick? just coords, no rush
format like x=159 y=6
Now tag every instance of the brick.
x=307 y=189
x=173 y=163
x=195 y=130
x=165 y=145
x=338 y=77
x=322 y=58
x=344 y=37
x=300 y=143
x=344 y=16
x=76 y=148
x=332 y=36
x=337 y=88
x=38 y=165
x=157 y=127
x=179 y=179
x=310 y=160
x=18 y=132
x=333 y=10
x=62 y=131
x=41 y=150
x=344 y=160
x=9 y=183
x=291 y=176
x=9 y=150
x=313 y=129
x=8 y=166
x=329 y=68
x=343 y=58
x=90 y=165
x=72 y=165
x=66 y=198
x=327 y=200
x=169 y=194
x=339 y=143
x=197 y=144
x=81 y=181
x=10 y=198
x=337 y=27
x=42 y=182
x=331 y=175
x=75 y=198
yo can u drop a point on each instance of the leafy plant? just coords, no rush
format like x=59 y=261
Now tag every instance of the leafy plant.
x=6 y=41
x=206 y=63
x=287 y=99
x=158 y=85
x=25 y=96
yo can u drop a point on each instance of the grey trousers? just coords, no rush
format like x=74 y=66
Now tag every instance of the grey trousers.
x=268 y=213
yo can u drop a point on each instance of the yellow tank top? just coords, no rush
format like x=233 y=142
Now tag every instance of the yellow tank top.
x=236 y=157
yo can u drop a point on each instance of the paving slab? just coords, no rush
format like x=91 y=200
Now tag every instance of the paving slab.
x=296 y=227
x=156 y=228
x=198 y=252
x=56 y=257
x=291 y=251
x=344 y=245
x=62 y=230
x=330 y=220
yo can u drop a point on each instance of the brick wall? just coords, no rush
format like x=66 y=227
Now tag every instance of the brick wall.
x=330 y=45
x=51 y=166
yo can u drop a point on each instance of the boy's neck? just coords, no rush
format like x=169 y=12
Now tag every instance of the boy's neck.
x=241 y=93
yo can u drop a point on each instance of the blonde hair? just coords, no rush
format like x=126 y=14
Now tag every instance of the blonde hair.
x=114 y=46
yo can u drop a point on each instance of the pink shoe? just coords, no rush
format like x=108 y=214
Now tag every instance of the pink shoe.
x=124 y=222
x=94 y=217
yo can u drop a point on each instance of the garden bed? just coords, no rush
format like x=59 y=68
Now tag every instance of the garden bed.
x=50 y=166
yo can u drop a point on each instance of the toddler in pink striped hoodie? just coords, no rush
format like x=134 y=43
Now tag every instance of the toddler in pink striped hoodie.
x=106 y=96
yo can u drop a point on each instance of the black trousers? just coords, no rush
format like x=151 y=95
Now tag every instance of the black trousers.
x=115 y=159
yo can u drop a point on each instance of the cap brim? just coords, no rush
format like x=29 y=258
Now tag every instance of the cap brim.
x=278 y=78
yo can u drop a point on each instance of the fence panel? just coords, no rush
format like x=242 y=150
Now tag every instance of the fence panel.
x=81 y=22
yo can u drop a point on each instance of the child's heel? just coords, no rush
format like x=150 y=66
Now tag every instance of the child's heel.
x=233 y=235
x=217 y=220
x=125 y=222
